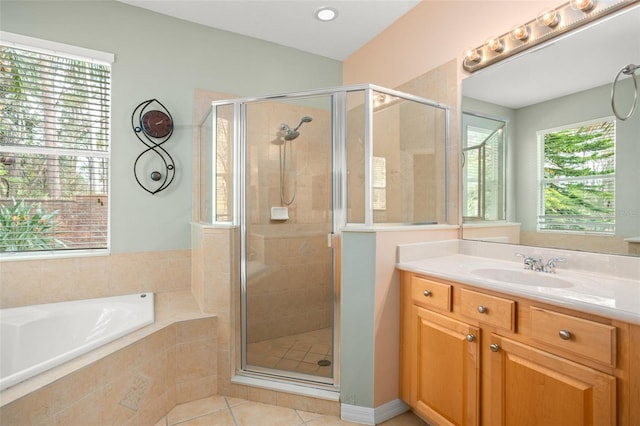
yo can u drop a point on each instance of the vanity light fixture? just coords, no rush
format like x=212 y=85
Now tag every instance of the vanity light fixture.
x=325 y=14
x=547 y=25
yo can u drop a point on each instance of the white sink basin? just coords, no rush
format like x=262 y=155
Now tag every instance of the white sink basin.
x=524 y=277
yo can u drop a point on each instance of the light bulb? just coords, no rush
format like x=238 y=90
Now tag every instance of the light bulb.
x=549 y=18
x=521 y=33
x=473 y=55
x=495 y=44
x=583 y=5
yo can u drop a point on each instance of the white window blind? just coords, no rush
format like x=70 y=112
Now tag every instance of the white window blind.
x=54 y=150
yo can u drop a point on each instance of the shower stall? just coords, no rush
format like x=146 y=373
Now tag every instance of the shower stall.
x=290 y=171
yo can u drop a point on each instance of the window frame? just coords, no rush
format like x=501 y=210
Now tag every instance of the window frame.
x=52 y=48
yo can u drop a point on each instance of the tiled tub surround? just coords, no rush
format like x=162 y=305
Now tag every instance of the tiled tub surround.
x=601 y=284
x=48 y=280
x=134 y=380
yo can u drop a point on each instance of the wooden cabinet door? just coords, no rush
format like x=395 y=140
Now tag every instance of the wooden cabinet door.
x=447 y=369
x=532 y=387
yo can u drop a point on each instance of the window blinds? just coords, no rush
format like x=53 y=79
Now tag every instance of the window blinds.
x=54 y=151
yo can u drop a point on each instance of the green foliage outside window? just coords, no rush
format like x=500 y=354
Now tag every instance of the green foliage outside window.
x=25 y=227
x=579 y=179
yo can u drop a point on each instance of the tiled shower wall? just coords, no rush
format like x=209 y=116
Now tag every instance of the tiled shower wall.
x=289 y=285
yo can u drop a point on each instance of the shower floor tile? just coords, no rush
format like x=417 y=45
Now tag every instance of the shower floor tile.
x=299 y=353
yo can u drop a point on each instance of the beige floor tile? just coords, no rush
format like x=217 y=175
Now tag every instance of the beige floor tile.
x=235 y=401
x=295 y=355
x=255 y=413
x=196 y=408
x=162 y=422
x=329 y=421
x=406 y=419
x=306 y=415
x=220 y=418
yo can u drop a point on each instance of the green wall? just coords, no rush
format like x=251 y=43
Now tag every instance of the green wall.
x=165 y=58
x=357 y=316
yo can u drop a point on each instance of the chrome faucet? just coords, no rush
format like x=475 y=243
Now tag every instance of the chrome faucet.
x=550 y=267
x=533 y=264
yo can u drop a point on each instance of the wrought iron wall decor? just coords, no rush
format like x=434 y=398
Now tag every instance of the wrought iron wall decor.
x=153 y=126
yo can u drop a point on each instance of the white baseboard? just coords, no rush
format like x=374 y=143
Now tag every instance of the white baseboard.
x=372 y=416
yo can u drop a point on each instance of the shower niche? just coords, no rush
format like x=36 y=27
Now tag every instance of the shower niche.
x=290 y=171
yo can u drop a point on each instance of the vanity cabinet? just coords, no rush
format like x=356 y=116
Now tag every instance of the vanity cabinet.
x=471 y=356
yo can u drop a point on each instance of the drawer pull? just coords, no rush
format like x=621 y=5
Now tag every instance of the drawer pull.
x=482 y=309
x=494 y=347
x=565 y=334
x=470 y=337
x=426 y=293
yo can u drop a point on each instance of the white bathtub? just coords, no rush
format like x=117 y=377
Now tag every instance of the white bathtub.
x=36 y=338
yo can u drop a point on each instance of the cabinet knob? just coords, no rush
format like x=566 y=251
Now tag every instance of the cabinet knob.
x=482 y=309
x=427 y=293
x=565 y=334
x=494 y=347
x=470 y=337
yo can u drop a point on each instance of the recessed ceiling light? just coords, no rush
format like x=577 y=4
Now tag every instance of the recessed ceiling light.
x=325 y=14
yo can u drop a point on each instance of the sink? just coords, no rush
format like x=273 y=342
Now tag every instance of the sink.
x=523 y=277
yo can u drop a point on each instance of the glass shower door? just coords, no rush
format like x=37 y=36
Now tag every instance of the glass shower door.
x=289 y=301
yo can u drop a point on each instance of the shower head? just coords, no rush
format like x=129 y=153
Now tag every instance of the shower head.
x=291 y=134
x=305 y=119
x=286 y=133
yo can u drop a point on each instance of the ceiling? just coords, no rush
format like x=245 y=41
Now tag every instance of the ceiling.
x=291 y=22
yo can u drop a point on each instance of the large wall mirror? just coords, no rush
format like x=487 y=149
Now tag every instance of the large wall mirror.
x=546 y=162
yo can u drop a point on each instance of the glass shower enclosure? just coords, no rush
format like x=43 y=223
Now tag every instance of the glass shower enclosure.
x=291 y=171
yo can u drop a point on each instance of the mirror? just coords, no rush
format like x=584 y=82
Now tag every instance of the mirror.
x=567 y=174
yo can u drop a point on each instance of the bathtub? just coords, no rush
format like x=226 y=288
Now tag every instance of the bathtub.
x=36 y=338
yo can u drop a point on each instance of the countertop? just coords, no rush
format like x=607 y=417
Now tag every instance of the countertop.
x=599 y=294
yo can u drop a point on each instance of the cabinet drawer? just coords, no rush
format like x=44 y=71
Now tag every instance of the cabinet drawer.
x=586 y=338
x=490 y=310
x=430 y=293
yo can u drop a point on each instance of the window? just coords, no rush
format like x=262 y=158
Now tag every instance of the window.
x=54 y=146
x=577 y=185
x=379 y=183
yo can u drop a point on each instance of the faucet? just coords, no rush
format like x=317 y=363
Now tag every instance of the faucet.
x=550 y=267
x=531 y=263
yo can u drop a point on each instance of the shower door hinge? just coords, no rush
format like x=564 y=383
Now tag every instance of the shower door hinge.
x=330 y=239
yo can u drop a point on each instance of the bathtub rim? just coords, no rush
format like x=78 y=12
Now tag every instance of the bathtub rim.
x=36 y=369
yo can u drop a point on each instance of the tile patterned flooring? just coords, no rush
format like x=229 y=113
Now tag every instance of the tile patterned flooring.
x=226 y=411
x=299 y=353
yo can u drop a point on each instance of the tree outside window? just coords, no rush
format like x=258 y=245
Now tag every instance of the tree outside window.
x=577 y=186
